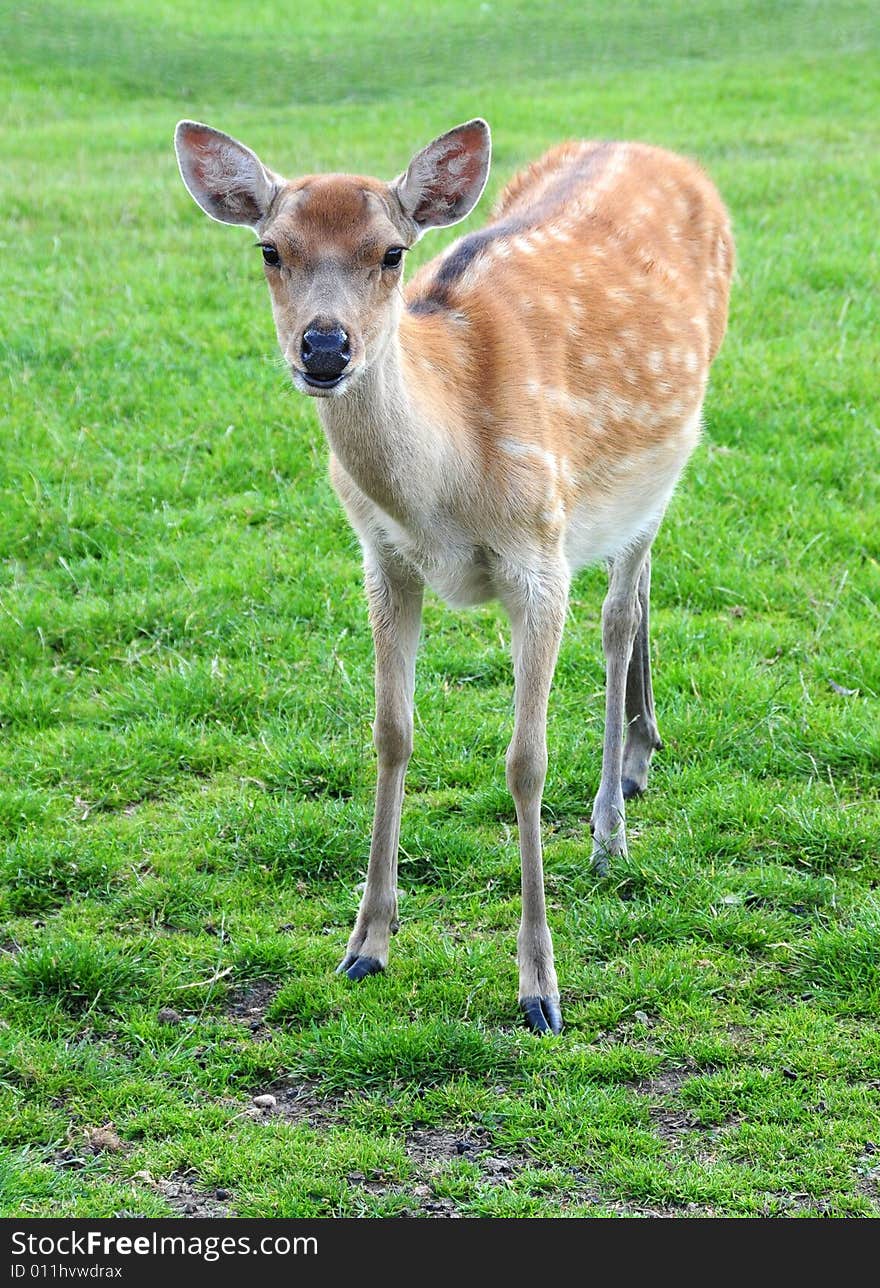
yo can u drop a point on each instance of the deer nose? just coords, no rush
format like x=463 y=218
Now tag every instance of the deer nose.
x=325 y=352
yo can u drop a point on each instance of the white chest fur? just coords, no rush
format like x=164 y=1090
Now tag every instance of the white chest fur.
x=411 y=497
x=459 y=569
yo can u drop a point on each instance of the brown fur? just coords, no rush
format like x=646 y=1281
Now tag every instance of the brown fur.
x=652 y=255
x=524 y=408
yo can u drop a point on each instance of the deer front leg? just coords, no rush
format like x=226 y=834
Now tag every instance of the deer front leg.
x=537 y=621
x=621 y=613
x=395 y=601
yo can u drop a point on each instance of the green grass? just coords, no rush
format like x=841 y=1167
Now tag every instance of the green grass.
x=185 y=694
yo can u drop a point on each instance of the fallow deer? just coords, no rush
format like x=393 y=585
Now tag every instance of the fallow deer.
x=523 y=408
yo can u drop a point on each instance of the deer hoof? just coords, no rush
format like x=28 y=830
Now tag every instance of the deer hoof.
x=631 y=788
x=356 y=968
x=600 y=863
x=605 y=851
x=542 y=1014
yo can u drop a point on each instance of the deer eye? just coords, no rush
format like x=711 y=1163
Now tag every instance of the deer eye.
x=270 y=255
x=392 y=257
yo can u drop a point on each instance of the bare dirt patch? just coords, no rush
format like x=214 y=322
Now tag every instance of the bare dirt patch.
x=181 y=1192
x=671 y=1120
x=185 y=1198
x=431 y=1148
x=665 y=1082
x=431 y=1145
x=868 y=1173
x=248 y=1006
x=298 y=1103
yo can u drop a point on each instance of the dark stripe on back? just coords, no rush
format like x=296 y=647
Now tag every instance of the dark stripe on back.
x=428 y=304
x=584 y=169
x=469 y=248
x=436 y=294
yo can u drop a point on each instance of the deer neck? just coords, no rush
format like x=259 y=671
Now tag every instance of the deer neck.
x=392 y=432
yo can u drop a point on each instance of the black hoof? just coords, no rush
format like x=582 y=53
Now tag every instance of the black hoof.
x=600 y=863
x=355 y=968
x=630 y=788
x=542 y=1014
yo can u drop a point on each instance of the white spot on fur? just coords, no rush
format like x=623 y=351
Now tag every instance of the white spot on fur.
x=586 y=409
x=517 y=447
x=643 y=414
x=556 y=515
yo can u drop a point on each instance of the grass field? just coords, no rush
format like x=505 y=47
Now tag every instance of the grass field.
x=186 y=764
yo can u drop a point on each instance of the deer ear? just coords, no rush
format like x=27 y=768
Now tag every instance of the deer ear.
x=446 y=179
x=225 y=178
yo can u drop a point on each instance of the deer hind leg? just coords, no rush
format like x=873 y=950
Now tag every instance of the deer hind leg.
x=537 y=621
x=621 y=621
x=395 y=602
x=642 y=735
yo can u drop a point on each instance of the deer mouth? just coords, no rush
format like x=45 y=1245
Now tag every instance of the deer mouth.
x=318 y=384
